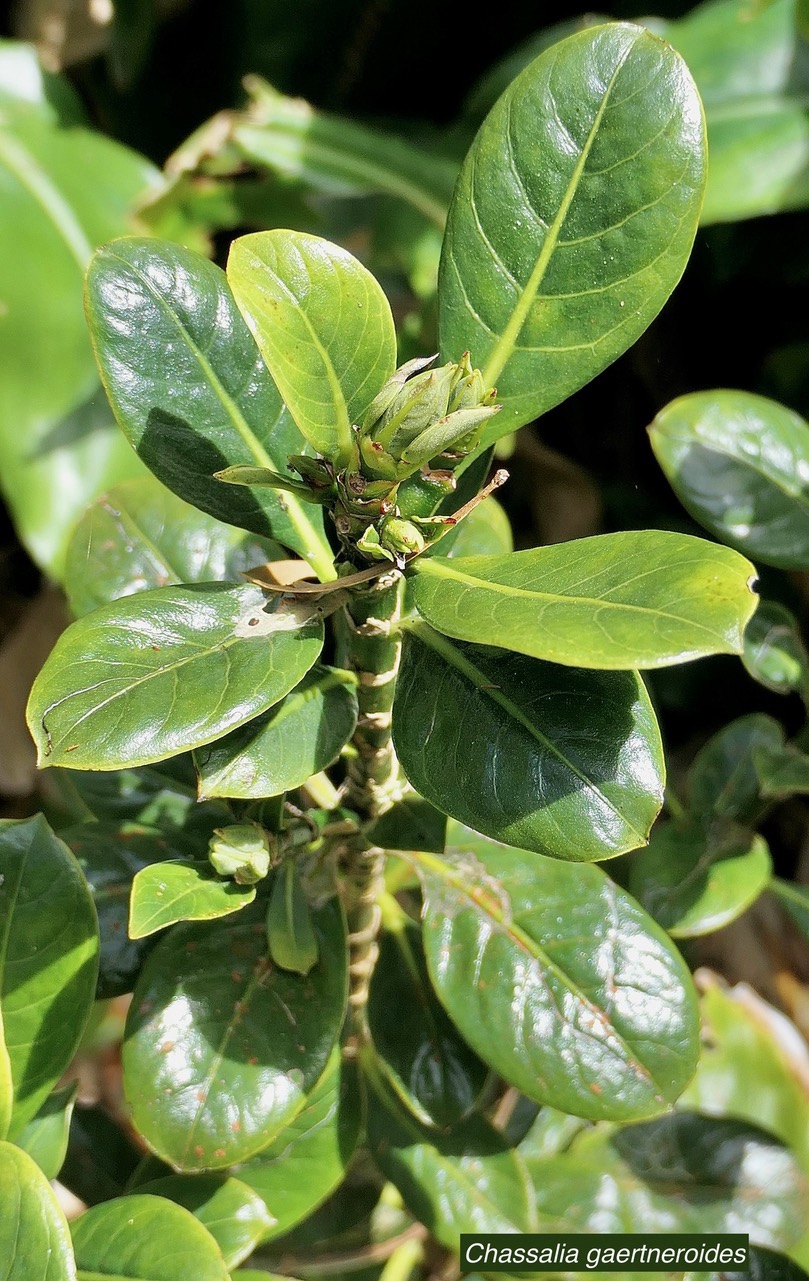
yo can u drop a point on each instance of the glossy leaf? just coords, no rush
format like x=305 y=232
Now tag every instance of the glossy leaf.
x=64 y=190
x=231 y=1211
x=724 y=781
x=139 y=535
x=162 y=796
x=190 y=389
x=6 y=1084
x=750 y=67
x=486 y=531
x=747 y=1069
x=694 y=881
x=636 y=599
x=165 y=893
x=322 y=324
x=161 y=672
x=573 y=217
x=34 y=1236
x=739 y=463
x=577 y=770
x=308 y=1158
x=338 y=156
x=101 y=1157
x=774 y=653
x=48 y=959
x=410 y=824
x=579 y=999
x=680 y=1173
x=144 y=1238
x=428 y=1065
x=466 y=1178
x=767 y=1265
x=222 y=1049
x=110 y=855
x=297 y=738
x=44 y=1138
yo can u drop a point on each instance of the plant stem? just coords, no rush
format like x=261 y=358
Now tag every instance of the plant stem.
x=371 y=648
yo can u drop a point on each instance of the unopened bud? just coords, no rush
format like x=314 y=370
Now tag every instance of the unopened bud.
x=241 y=851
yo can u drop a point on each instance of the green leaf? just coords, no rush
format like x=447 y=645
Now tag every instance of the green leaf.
x=680 y=1173
x=322 y=324
x=27 y=88
x=486 y=531
x=144 y=1238
x=723 y=781
x=579 y=999
x=410 y=824
x=782 y=771
x=464 y=1179
x=573 y=217
x=430 y=1068
x=164 y=671
x=180 y=891
x=190 y=389
x=774 y=653
x=231 y=1211
x=643 y=598
x=694 y=881
x=6 y=1084
x=297 y=738
x=44 y=1138
x=34 y=1236
x=101 y=1157
x=222 y=1049
x=747 y=1069
x=309 y=1157
x=110 y=855
x=64 y=191
x=739 y=464
x=795 y=898
x=159 y=796
x=751 y=70
x=48 y=959
x=578 y=768
x=139 y=535
x=338 y=156
x=767 y=1265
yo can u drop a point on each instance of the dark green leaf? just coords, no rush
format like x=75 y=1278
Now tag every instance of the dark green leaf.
x=578 y=768
x=410 y=824
x=181 y=891
x=190 y=389
x=308 y=1159
x=781 y=771
x=578 y=998
x=101 y=1157
x=322 y=324
x=767 y=1265
x=680 y=1173
x=694 y=881
x=723 y=781
x=466 y=1179
x=297 y=738
x=774 y=653
x=752 y=70
x=234 y=1215
x=795 y=898
x=339 y=157
x=140 y=535
x=110 y=855
x=431 y=1069
x=144 y=1238
x=163 y=671
x=6 y=1083
x=34 y=1236
x=740 y=465
x=573 y=217
x=44 y=1138
x=48 y=959
x=638 y=599
x=222 y=1049
x=65 y=190
x=162 y=796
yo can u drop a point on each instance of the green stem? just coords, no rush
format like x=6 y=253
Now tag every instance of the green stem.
x=371 y=647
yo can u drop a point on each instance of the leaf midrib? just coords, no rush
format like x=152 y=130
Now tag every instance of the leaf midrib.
x=506 y=343
x=778 y=480
x=33 y=179
x=441 y=645
x=438 y=568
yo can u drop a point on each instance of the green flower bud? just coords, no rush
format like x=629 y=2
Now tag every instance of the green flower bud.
x=402 y=536
x=242 y=851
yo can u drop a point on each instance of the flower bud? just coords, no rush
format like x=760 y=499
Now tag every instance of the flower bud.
x=242 y=851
